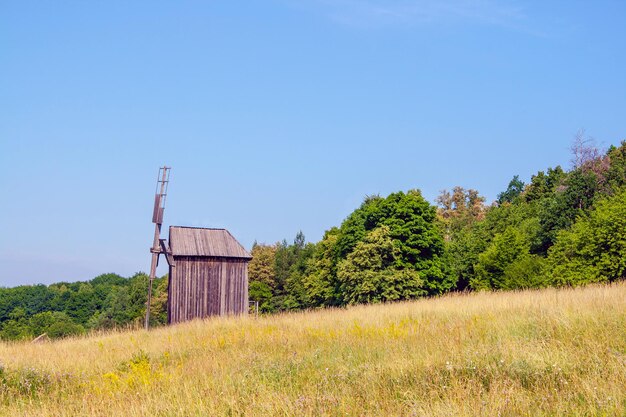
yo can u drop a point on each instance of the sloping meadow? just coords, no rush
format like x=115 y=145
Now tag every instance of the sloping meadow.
x=547 y=352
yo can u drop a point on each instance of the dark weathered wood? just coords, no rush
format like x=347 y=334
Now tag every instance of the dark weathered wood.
x=196 y=241
x=157 y=218
x=157 y=213
x=165 y=249
x=210 y=276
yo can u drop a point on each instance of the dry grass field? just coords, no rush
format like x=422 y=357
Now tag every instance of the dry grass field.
x=540 y=353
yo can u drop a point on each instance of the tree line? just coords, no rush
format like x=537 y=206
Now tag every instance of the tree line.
x=64 y=309
x=562 y=228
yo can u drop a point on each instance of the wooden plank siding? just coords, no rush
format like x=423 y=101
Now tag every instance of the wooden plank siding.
x=208 y=275
x=197 y=241
x=202 y=287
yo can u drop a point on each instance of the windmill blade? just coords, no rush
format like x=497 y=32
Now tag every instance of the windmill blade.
x=157 y=213
x=160 y=195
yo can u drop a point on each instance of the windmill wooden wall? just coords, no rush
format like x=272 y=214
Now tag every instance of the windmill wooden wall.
x=208 y=275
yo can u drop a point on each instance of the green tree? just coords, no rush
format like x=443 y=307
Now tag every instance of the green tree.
x=616 y=172
x=294 y=287
x=158 y=303
x=261 y=267
x=16 y=326
x=544 y=185
x=289 y=268
x=462 y=252
x=64 y=328
x=594 y=250
x=283 y=260
x=468 y=244
x=505 y=249
x=559 y=212
x=515 y=188
x=373 y=271
x=262 y=276
x=320 y=282
x=526 y=271
x=413 y=228
x=55 y=324
x=262 y=293
x=81 y=303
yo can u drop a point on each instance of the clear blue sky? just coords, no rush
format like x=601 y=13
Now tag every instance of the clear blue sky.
x=279 y=115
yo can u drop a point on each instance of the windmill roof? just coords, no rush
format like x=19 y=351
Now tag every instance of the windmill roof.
x=198 y=241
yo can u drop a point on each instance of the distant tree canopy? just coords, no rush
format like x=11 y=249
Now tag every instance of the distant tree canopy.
x=387 y=249
x=66 y=309
x=594 y=248
x=562 y=228
x=411 y=224
x=515 y=188
x=374 y=271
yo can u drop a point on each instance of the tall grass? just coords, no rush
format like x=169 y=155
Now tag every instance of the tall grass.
x=549 y=352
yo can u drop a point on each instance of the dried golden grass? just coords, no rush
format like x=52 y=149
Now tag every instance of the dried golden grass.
x=549 y=352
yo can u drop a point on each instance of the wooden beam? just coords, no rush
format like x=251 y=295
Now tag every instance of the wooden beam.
x=165 y=249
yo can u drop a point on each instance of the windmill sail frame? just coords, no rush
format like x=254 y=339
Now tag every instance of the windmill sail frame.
x=159 y=245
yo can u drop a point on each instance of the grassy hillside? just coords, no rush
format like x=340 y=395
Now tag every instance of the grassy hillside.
x=549 y=352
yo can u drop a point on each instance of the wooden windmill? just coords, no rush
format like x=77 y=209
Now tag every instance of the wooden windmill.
x=208 y=268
